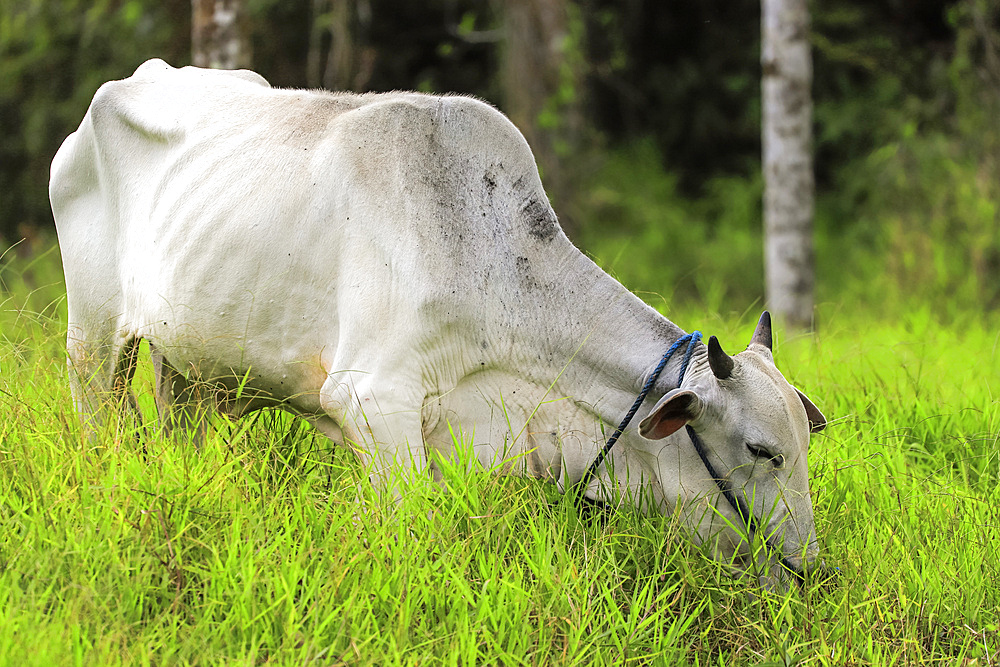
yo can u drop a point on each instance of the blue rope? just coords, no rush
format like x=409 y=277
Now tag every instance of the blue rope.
x=692 y=340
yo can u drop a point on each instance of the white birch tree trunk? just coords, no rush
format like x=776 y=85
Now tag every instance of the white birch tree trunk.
x=788 y=168
x=220 y=34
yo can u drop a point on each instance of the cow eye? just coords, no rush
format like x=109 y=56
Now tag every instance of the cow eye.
x=763 y=453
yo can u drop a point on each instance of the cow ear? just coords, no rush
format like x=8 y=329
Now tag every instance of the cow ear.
x=817 y=422
x=673 y=411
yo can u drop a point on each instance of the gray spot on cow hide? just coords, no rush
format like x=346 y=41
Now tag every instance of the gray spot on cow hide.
x=490 y=182
x=526 y=274
x=541 y=220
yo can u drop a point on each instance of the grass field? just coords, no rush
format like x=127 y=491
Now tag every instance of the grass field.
x=256 y=550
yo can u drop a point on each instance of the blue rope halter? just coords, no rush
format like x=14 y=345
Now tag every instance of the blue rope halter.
x=692 y=340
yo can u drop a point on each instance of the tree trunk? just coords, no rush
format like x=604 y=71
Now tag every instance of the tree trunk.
x=340 y=28
x=537 y=96
x=220 y=34
x=788 y=171
x=340 y=61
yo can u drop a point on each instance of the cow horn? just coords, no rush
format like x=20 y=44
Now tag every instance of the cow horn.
x=762 y=335
x=721 y=363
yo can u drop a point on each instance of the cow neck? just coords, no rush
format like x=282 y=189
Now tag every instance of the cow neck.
x=688 y=343
x=611 y=339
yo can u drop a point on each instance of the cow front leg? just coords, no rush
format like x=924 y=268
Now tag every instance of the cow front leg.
x=382 y=422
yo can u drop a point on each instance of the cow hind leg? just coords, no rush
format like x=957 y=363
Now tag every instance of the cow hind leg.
x=128 y=359
x=178 y=403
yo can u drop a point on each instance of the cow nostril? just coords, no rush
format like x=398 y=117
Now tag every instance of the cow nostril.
x=795 y=570
x=827 y=574
x=812 y=572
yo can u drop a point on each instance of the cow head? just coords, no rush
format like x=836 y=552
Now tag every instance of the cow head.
x=754 y=428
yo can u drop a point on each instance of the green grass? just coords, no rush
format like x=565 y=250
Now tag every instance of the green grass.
x=269 y=547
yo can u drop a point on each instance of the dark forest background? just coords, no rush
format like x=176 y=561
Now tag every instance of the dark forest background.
x=648 y=133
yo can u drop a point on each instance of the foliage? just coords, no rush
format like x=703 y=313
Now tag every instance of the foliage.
x=905 y=97
x=433 y=46
x=926 y=196
x=656 y=240
x=908 y=219
x=877 y=66
x=268 y=546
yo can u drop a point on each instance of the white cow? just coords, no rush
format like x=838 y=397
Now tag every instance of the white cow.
x=388 y=267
